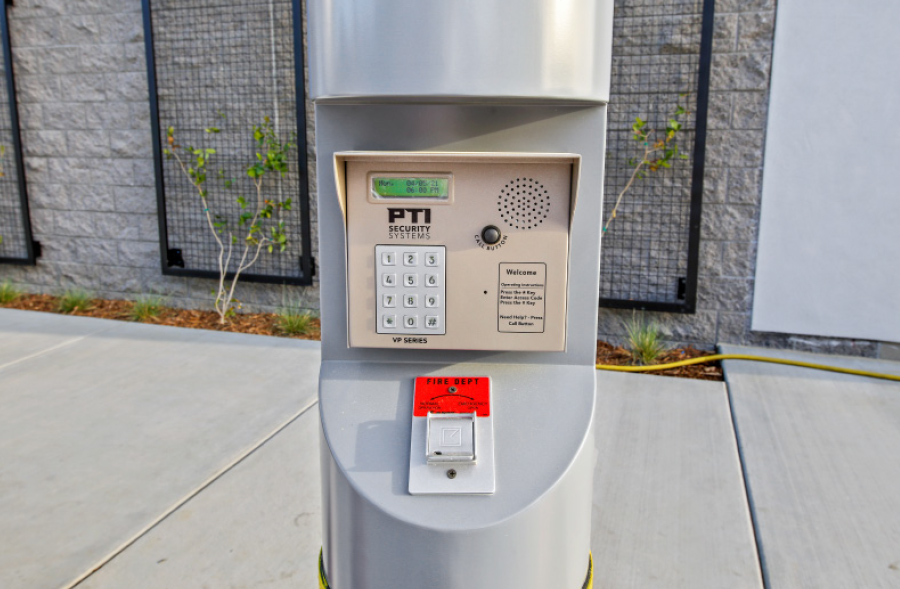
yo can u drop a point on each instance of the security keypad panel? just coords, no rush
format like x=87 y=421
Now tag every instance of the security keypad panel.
x=409 y=289
x=457 y=251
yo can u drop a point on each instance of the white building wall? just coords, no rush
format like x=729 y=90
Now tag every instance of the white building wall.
x=829 y=242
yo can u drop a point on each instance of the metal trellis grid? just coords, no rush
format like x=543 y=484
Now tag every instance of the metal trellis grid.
x=661 y=60
x=17 y=245
x=227 y=65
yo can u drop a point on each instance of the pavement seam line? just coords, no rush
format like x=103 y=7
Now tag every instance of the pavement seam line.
x=184 y=500
x=748 y=494
x=44 y=351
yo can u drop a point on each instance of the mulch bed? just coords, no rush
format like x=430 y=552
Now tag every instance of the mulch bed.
x=619 y=356
x=255 y=323
x=265 y=324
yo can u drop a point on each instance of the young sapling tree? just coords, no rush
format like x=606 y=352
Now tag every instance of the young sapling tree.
x=259 y=227
x=658 y=151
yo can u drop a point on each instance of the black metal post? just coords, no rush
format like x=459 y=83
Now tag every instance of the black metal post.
x=155 y=132
x=32 y=250
x=306 y=260
x=706 y=42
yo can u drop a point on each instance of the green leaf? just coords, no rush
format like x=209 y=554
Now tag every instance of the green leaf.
x=213 y=130
x=242 y=201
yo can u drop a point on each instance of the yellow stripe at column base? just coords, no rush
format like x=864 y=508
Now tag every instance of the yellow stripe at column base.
x=323 y=582
x=588 y=583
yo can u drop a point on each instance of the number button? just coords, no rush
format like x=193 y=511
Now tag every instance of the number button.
x=410 y=259
x=411 y=321
x=432 y=301
x=390 y=321
x=432 y=322
x=389 y=300
x=388 y=259
x=410 y=279
x=431 y=259
x=389 y=279
x=411 y=301
x=431 y=280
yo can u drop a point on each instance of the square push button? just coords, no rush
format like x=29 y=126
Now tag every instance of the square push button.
x=451 y=438
x=390 y=321
x=411 y=321
x=431 y=259
x=388 y=259
x=389 y=300
x=389 y=279
x=410 y=259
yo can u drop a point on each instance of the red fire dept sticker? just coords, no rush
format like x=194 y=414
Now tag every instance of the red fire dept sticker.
x=452 y=394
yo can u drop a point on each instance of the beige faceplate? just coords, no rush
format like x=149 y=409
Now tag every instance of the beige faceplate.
x=511 y=296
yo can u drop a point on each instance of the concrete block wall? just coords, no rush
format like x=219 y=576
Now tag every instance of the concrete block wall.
x=82 y=91
x=85 y=119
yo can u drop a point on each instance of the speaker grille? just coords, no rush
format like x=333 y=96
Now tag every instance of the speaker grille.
x=523 y=203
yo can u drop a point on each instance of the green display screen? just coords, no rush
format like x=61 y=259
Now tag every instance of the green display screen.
x=410 y=187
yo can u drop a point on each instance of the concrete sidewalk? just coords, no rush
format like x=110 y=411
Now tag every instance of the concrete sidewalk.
x=141 y=456
x=154 y=457
x=822 y=457
x=106 y=427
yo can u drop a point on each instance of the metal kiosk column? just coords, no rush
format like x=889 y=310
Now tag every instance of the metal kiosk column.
x=460 y=151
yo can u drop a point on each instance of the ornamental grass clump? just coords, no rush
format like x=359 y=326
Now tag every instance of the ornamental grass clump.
x=9 y=292
x=75 y=299
x=146 y=307
x=292 y=319
x=644 y=341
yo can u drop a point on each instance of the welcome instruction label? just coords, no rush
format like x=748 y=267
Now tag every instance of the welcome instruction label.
x=521 y=299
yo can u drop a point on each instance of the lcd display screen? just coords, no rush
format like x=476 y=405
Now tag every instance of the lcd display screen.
x=411 y=187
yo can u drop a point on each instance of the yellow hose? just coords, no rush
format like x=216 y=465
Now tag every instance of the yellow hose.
x=716 y=357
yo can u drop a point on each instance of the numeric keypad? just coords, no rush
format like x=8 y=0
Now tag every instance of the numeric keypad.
x=410 y=289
